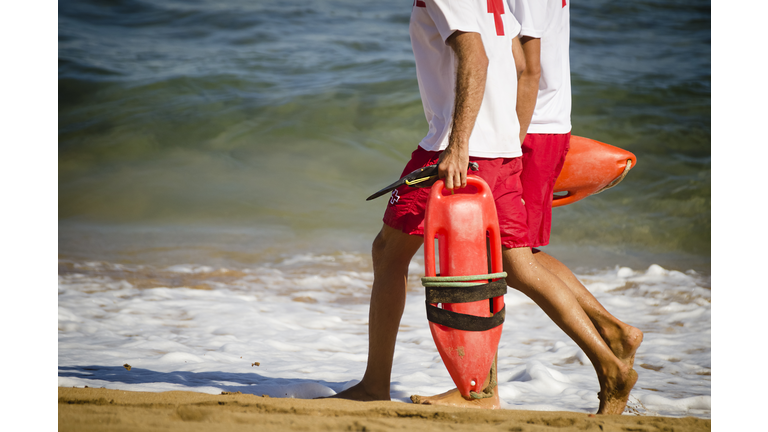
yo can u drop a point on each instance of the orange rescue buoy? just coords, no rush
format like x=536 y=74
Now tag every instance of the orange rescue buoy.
x=590 y=167
x=467 y=327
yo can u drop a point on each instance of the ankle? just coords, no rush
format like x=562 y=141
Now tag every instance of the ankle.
x=374 y=391
x=611 y=369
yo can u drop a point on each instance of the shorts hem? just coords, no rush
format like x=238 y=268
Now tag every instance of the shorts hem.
x=511 y=245
x=417 y=232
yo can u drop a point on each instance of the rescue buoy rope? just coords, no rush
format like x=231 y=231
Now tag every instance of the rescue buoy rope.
x=618 y=179
x=458 y=281
x=488 y=391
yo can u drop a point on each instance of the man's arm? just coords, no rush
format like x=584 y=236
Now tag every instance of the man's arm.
x=471 y=74
x=527 y=52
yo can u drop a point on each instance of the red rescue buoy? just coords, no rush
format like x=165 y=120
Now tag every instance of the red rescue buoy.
x=590 y=167
x=465 y=223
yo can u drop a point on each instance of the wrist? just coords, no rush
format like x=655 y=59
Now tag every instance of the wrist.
x=458 y=143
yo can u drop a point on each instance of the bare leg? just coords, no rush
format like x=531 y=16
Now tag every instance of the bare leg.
x=392 y=253
x=616 y=377
x=563 y=305
x=622 y=338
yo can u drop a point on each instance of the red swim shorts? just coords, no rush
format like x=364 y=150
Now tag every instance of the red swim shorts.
x=405 y=210
x=543 y=157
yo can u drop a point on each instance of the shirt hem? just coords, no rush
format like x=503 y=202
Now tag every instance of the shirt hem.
x=549 y=129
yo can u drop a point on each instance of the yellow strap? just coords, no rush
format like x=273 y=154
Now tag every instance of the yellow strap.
x=417 y=181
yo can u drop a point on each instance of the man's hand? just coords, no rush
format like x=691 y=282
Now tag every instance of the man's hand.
x=471 y=72
x=452 y=167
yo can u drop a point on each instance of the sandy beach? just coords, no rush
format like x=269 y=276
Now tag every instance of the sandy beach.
x=86 y=409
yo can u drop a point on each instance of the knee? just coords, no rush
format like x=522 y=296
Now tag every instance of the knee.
x=384 y=250
x=379 y=246
x=520 y=279
x=393 y=248
x=522 y=270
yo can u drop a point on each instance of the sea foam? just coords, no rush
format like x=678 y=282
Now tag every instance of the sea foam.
x=298 y=328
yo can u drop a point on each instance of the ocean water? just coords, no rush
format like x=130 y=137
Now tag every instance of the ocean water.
x=213 y=164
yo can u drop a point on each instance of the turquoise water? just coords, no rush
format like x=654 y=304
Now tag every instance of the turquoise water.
x=236 y=131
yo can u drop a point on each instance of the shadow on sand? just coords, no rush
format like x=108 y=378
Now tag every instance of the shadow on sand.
x=247 y=383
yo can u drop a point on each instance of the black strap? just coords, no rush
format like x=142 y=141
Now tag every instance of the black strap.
x=460 y=321
x=466 y=294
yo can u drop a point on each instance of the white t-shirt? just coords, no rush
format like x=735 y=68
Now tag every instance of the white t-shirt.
x=497 y=130
x=549 y=20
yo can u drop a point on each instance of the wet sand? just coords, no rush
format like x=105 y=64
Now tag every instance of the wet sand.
x=91 y=409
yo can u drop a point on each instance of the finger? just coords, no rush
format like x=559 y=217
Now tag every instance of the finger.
x=442 y=170
x=448 y=181
x=457 y=180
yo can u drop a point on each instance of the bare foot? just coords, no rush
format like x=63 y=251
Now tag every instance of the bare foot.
x=614 y=393
x=454 y=398
x=358 y=392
